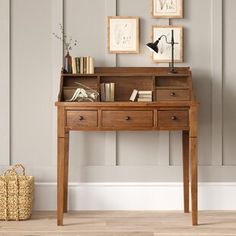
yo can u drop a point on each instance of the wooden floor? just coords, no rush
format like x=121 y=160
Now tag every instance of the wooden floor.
x=123 y=224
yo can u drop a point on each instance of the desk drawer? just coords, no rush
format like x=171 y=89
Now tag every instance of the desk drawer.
x=127 y=119
x=172 y=95
x=81 y=119
x=173 y=119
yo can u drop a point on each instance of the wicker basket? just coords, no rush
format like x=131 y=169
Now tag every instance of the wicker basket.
x=16 y=194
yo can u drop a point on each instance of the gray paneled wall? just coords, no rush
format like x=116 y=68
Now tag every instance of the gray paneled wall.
x=33 y=77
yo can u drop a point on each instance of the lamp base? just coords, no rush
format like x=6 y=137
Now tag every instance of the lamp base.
x=172 y=71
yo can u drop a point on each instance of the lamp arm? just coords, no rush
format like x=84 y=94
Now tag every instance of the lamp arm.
x=165 y=38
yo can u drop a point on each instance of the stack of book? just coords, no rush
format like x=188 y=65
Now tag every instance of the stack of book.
x=107 y=92
x=144 y=96
x=141 y=96
x=83 y=65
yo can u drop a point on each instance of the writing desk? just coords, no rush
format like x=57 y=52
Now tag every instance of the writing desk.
x=173 y=108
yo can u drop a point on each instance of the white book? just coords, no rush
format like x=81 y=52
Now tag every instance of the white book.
x=144 y=100
x=107 y=92
x=133 y=95
x=91 y=67
x=112 y=92
x=145 y=92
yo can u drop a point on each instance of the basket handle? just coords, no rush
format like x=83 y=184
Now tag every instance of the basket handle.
x=17 y=166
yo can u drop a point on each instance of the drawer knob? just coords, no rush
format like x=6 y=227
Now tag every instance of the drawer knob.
x=172 y=94
x=81 y=117
x=173 y=118
x=127 y=118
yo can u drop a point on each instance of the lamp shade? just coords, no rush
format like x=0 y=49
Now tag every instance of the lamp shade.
x=153 y=46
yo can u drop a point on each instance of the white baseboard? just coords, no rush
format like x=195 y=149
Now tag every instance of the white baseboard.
x=135 y=196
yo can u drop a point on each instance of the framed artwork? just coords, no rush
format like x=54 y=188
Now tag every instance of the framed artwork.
x=164 y=54
x=167 y=8
x=122 y=34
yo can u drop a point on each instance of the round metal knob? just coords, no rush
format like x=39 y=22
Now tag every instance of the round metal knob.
x=81 y=117
x=127 y=118
x=172 y=94
x=173 y=118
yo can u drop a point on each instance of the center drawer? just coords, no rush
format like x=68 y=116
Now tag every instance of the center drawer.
x=127 y=119
x=81 y=119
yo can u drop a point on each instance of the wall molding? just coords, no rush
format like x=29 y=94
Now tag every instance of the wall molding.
x=217 y=82
x=135 y=196
x=5 y=82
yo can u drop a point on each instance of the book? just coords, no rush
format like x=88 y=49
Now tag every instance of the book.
x=73 y=65
x=144 y=99
x=112 y=92
x=81 y=65
x=145 y=92
x=85 y=65
x=133 y=95
x=107 y=92
x=102 y=89
x=77 y=62
x=91 y=67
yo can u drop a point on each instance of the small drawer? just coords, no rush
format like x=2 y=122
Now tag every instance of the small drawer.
x=173 y=119
x=81 y=119
x=127 y=119
x=172 y=95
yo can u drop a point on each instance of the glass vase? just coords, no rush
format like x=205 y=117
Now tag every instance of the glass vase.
x=68 y=63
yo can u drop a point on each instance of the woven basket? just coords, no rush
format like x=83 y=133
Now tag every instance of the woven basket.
x=16 y=194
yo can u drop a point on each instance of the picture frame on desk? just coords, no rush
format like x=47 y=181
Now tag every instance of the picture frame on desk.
x=122 y=34
x=167 y=8
x=164 y=54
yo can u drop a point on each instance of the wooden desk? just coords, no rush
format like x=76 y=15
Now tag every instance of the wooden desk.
x=173 y=108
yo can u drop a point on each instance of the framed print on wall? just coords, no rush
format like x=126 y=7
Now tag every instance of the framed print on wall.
x=122 y=34
x=167 y=8
x=164 y=54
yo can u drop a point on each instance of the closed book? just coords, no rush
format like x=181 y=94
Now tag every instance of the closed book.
x=77 y=62
x=144 y=92
x=81 y=65
x=88 y=65
x=144 y=100
x=102 y=89
x=112 y=92
x=133 y=95
x=145 y=95
x=91 y=63
x=73 y=65
x=85 y=64
x=107 y=92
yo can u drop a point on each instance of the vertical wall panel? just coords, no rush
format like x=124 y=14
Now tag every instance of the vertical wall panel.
x=5 y=82
x=31 y=70
x=217 y=82
x=229 y=84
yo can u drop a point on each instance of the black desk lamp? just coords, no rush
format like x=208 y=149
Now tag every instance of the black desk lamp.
x=154 y=48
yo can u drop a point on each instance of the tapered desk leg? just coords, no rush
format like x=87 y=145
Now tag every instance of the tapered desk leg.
x=194 y=162
x=185 y=142
x=194 y=182
x=66 y=166
x=60 y=179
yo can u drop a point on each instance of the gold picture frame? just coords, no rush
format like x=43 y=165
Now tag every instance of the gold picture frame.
x=167 y=8
x=122 y=34
x=164 y=54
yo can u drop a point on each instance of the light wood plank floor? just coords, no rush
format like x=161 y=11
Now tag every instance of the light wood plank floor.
x=110 y=223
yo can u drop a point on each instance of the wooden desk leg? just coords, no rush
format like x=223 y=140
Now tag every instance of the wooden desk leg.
x=194 y=162
x=185 y=141
x=194 y=181
x=60 y=179
x=66 y=166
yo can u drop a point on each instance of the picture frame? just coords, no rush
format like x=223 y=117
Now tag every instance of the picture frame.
x=167 y=8
x=164 y=54
x=122 y=34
